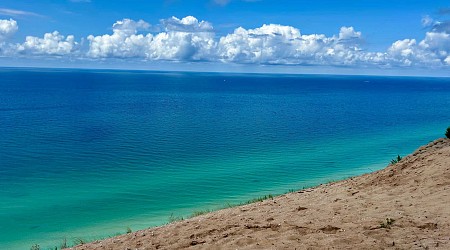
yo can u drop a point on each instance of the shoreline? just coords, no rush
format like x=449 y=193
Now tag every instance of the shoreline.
x=164 y=221
x=377 y=201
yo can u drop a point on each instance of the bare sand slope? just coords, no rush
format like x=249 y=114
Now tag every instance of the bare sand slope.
x=404 y=206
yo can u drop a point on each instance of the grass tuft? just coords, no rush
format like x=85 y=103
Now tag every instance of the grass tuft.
x=260 y=199
x=64 y=244
x=79 y=241
x=388 y=223
x=396 y=160
x=173 y=218
x=200 y=212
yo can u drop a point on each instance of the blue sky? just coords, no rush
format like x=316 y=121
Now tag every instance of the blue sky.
x=323 y=35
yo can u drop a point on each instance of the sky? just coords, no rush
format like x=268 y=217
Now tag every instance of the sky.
x=403 y=37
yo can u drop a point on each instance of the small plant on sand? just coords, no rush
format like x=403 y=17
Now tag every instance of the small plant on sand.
x=64 y=244
x=129 y=230
x=447 y=133
x=79 y=241
x=35 y=247
x=396 y=160
x=200 y=212
x=173 y=218
x=229 y=205
x=387 y=224
x=259 y=199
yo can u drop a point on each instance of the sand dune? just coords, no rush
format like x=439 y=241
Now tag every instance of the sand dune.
x=404 y=206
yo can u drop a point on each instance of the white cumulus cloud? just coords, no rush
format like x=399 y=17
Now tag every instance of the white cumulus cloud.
x=129 y=27
x=269 y=43
x=186 y=24
x=403 y=51
x=7 y=28
x=51 y=44
x=183 y=39
x=438 y=42
x=278 y=44
x=177 y=45
x=124 y=42
x=447 y=60
x=433 y=50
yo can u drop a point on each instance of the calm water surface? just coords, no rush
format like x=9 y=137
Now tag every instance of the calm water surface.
x=86 y=154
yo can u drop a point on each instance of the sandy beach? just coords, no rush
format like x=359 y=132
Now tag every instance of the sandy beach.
x=404 y=206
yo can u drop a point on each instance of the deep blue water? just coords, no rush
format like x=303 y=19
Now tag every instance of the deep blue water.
x=86 y=154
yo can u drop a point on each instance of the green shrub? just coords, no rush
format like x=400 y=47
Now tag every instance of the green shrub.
x=447 y=133
x=396 y=159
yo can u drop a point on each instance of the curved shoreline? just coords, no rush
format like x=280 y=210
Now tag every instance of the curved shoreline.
x=404 y=206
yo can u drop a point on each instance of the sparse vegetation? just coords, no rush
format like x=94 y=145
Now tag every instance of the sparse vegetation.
x=447 y=133
x=229 y=205
x=261 y=198
x=388 y=223
x=79 y=241
x=396 y=160
x=173 y=218
x=64 y=244
x=307 y=187
x=200 y=212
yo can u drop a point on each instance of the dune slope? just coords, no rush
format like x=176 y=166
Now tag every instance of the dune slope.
x=404 y=206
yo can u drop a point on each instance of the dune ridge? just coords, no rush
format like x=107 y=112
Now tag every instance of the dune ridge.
x=403 y=206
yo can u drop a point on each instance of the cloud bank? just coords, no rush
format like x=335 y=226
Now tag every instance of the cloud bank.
x=189 y=39
x=183 y=39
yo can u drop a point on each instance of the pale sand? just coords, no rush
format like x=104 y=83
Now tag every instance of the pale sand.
x=341 y=215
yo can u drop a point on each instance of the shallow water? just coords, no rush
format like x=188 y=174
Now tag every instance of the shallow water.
x=86 y=154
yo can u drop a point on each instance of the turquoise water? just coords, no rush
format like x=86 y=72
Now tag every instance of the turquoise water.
x=86 y=154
